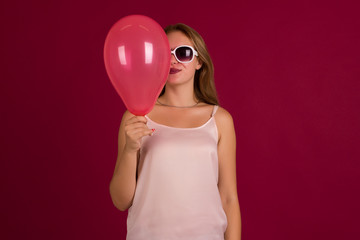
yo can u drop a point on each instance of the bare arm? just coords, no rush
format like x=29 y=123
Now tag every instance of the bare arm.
x=227 y=174
x=123 y=183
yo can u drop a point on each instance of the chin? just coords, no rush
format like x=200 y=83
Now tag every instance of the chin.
x=173 y=79
x=177 y=80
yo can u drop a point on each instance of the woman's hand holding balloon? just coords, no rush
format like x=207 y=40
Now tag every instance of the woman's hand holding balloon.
x=135 y=128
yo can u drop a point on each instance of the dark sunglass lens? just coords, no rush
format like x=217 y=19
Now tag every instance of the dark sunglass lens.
x=184 y=54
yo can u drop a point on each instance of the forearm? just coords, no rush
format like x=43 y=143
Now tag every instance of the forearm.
x=232 y=210
x=123 y=182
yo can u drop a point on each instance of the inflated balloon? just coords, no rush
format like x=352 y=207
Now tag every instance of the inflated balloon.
x=137 y=60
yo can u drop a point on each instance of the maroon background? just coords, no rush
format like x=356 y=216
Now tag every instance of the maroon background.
x=287 y=72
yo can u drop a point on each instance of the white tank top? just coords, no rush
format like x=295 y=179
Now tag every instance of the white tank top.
x=176 y=196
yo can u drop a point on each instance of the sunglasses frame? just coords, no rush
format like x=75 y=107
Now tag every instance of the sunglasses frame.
x=195 y=53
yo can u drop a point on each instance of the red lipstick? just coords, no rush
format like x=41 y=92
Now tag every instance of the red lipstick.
x=174 y=70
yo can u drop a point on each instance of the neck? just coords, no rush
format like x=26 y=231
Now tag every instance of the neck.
x=177 y=106
x=180 y=96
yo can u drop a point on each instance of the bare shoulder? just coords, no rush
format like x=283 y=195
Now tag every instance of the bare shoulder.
x=224 y=121
x=127 y=115
x=222 y=116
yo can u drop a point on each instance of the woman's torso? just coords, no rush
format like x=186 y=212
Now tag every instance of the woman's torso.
x=176 y=196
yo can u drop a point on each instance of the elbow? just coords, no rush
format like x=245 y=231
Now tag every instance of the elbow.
x=120 y=205
x=230 y=200
x=123 y=207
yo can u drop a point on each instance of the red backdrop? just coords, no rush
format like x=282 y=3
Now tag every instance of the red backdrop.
x=287 y=72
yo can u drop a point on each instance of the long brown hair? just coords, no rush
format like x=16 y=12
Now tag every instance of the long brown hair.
x=204 y=85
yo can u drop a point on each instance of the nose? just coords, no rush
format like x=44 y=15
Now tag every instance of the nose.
x=173 y=59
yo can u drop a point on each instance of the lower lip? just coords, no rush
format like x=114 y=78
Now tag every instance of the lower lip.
x=174 y=71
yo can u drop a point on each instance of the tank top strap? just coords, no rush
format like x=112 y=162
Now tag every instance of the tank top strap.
x=214 y=110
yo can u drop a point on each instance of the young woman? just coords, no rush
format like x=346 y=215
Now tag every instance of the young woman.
x=176 y=167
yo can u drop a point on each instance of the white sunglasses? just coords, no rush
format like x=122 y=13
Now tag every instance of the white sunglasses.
x=184 y=53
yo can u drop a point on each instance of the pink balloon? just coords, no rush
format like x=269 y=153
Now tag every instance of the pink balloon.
x=137 y=60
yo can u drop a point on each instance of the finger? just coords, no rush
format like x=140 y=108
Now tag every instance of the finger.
x=136 y=119
x=136 y=125
x=138 y=133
